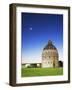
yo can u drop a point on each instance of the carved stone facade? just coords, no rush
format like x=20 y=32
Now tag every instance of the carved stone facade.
x=50 y=56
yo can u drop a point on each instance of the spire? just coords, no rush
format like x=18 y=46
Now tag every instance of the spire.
x=49 y=42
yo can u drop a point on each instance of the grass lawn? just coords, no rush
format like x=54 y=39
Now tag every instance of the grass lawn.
x=26 y=72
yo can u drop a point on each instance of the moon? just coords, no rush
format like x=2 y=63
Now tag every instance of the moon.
x=30 y=28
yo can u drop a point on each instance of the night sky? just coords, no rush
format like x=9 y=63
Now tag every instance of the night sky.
x=37 y=29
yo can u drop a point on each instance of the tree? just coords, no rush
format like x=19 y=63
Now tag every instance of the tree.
x=60 y=64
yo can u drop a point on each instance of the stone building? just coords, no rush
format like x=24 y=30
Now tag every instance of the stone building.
x=50 y=55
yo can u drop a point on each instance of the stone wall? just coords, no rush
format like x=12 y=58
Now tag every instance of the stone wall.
x=50 y=58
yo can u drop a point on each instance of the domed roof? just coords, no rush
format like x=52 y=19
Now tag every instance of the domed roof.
x=50 y=46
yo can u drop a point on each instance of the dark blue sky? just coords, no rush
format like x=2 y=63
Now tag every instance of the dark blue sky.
x=37 y=29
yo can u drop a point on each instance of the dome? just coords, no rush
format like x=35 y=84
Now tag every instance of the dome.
x=50 y=46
